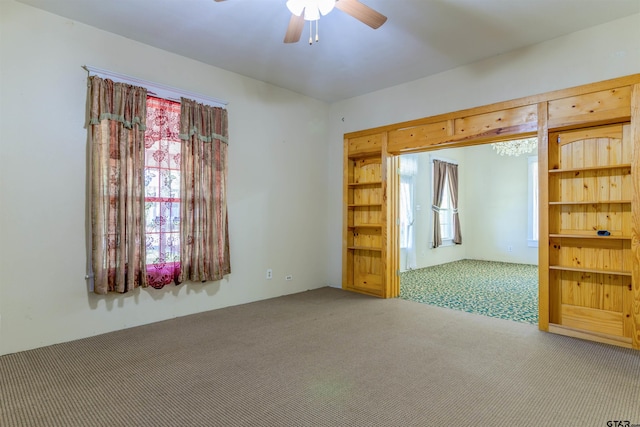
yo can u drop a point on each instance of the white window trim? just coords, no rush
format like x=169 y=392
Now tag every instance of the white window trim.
x=155 y=89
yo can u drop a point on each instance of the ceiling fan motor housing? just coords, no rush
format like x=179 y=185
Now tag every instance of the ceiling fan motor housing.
x=312 y=8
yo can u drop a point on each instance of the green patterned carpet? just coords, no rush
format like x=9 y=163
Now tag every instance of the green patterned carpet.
x=496 y=289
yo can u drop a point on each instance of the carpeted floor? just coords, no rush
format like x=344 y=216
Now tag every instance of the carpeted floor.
x=496 y=289
x=326 y=357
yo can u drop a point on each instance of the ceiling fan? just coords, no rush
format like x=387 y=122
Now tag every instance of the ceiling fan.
x=310 y=10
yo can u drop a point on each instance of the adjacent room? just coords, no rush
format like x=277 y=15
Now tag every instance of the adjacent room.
x=493 y=269
x=275 y=337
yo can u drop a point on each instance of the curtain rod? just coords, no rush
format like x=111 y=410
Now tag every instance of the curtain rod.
x=155 y=89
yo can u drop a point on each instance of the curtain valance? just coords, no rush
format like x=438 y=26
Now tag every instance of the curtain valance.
x=119 y=102
x=203 y=122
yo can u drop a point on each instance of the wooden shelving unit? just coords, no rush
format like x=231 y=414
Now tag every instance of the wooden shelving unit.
x=589 y=163
x=590 y=189
x=364 y=228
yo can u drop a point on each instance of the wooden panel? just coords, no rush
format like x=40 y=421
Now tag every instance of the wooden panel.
x=591 y=108
x=392 y=281
x=364 y=145
x=347 y=216
x=404 y=140
x=589 y=319
x=546 y=280
x=587 y=219
x=363 y=215
x=365 y=195
x=590 y=133
x=367 y=268
x=577 y=292
x=367 y=237
x=634 y=147
x=592 y=185
x=628 y=304
x=553 y=302
x=388 y=259
x=591 y=336
x=482 y=124
x=347 y=268
x=505 y=105
x=371 y=283
x=593 y=290
x=592 y=254
x=367 y=169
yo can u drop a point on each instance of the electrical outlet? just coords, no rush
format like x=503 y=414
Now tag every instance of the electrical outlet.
x=269 y=274
x=288 y=277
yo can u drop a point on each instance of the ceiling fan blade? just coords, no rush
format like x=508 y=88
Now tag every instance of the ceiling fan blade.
x=294 y=30
x=361 y=12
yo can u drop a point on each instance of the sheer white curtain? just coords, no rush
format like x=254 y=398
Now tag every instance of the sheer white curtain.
x=408 y=171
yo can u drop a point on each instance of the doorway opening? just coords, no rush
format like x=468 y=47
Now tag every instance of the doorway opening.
x=494 y=271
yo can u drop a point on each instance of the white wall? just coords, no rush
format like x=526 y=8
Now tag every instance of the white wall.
x=497 y=207
x=599 y=53
x=277 y=183
x=493 y=208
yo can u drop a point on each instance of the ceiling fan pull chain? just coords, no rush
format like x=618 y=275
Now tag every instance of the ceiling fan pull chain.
x=317 y=23
x=310 y=32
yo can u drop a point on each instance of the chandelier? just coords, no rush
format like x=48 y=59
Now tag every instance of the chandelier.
x=312 y=10
x=516 y=147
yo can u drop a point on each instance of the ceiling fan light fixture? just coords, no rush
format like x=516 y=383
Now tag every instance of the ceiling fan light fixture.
x=326 y=6
x=312 y=8
x=296 y=6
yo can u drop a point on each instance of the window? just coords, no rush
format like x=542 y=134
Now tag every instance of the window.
x=162 y=191
x=446 y=222
x=532 y=197
x=158 y=189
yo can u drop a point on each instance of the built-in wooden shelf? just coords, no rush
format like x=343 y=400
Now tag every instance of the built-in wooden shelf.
x=591 y=168
x=588 y=236
x=365 y=205
x=600 y=202
x=365 y=226
x=364 y=248
x=373 y=153
x=364 y=184
x=589 y=270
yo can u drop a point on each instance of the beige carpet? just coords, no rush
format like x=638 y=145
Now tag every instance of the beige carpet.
x=323 y=357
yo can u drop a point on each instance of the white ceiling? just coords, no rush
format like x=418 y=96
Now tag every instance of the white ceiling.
x=420 y=37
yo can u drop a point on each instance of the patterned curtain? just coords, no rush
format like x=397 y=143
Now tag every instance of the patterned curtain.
x=439 y=173
x=452 y=174
x=204 y=254
x=117 y=116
